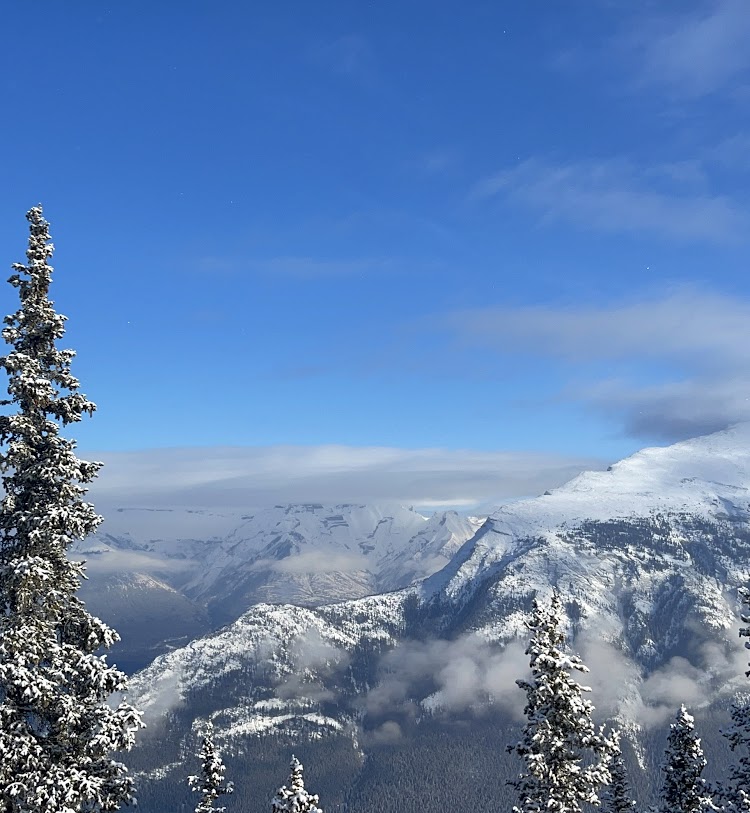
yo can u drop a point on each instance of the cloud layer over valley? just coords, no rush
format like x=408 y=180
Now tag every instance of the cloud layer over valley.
x=255 y=477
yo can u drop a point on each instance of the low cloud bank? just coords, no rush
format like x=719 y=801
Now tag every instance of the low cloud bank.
x=246 y=479
x=665 y=368
x=310 y=562
x=468 y=674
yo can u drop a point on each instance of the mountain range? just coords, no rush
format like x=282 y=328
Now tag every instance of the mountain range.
x=647 y=556
x=357 y=636
x=165 y=577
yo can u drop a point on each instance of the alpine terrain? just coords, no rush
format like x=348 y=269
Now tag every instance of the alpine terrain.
x=647 y=557
x=168 y=576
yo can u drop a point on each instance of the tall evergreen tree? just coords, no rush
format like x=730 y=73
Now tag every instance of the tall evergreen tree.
x=57 y=729
x=684 y=788
x=210 y=784
x=617 y=796
x=735 y=795
x=294 y=798
x=565 y=755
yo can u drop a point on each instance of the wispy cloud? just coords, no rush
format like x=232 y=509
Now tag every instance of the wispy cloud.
x=295 y=266
x=695 y=339
x=691 y=326
x=438 y=161
x=351 y=56
x=699 y=51
x=256 y=477
x=652 y=699
x=732 y=153
x=674 y=409
x=617 y=196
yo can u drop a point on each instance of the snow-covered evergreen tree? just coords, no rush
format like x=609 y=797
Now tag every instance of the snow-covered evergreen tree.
x=565 y=755
x=684 y=788
x=210 y=784
x=735 y=795
x=617 y=796
x=57 y=729
x=293 y=798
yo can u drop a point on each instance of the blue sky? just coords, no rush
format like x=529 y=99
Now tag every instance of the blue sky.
x=498 y=227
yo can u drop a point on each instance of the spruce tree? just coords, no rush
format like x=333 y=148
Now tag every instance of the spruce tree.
x=565 y=755
x=57 y=729
x=684 y=788
x=617 y=796
x=210 y=784
x=736 y=793
x=294 y=798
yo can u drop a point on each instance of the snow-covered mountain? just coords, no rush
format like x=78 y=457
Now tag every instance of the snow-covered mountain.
x=313 y=554
x=165 y=577
x=647 y=555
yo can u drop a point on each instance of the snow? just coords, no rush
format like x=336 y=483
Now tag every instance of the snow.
x=523 y=549
x=695 y=476
x=705 y=477
x=307 y=554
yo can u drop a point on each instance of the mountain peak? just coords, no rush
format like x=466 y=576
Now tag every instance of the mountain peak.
x=689 y=476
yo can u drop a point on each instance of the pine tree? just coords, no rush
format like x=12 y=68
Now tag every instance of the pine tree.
x=294 y=798
x=684 y=789
x=565 y=754
x=617 y=796
x=210 y=784
x=736 y=793
x=57 y=730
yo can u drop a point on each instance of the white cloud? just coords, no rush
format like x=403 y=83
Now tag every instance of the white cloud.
x=255 y=477
x=468 y=674
x=387 y=733
x=653 y=699
x=616 y=196
x=699 y=51
x=309 y=562
x=696 y=342
x=310 y=652
x=114 y=561
x=690 y=326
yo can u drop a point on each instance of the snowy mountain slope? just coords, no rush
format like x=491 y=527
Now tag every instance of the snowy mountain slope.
x=647 y=557
x=149 y=615
x=198 y=562
x=664 y=495
x=313 y=554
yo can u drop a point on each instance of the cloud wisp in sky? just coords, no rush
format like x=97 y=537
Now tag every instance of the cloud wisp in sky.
x=294 y=267
x=694 y=340
x=617 y=196
x=697 y=52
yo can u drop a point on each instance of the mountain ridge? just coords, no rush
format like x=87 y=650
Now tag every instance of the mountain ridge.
x=647 y=558
x=517 y=553
x=306 y=554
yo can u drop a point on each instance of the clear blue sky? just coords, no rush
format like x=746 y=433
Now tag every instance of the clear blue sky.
x=475 y=225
